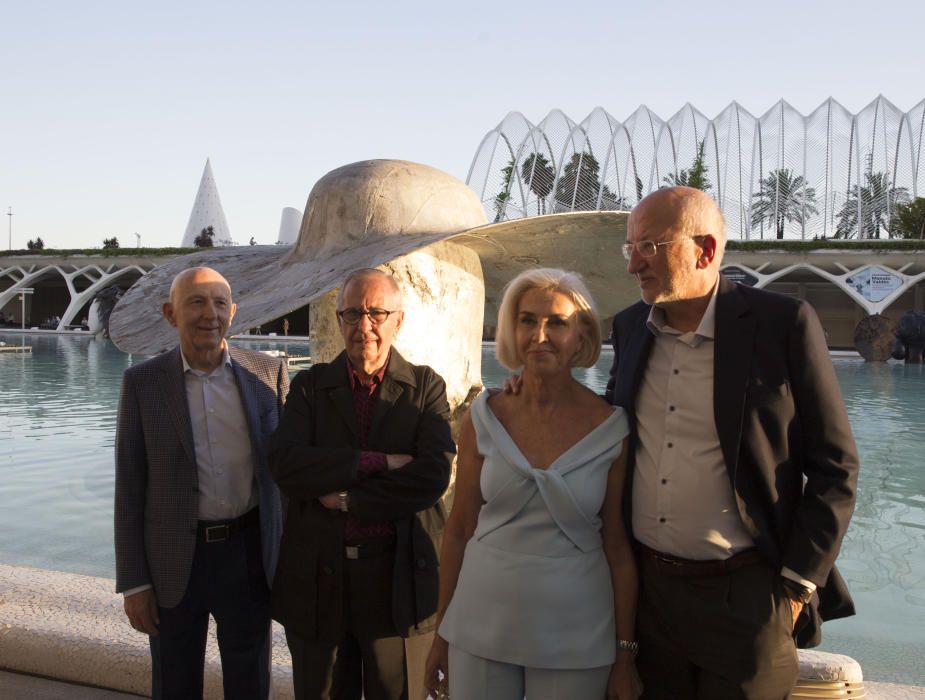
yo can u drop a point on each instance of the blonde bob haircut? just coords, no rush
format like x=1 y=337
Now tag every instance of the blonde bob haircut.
x=553 y=280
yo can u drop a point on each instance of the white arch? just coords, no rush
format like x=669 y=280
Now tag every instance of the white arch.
x=101 y=279
x=840 y=281
x=78 y=299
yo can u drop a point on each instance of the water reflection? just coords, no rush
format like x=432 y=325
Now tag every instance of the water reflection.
x=57 y=426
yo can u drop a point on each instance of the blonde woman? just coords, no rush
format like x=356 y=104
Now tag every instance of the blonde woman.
x=537 y=578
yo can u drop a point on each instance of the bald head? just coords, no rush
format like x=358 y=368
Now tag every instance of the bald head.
x=684 y=211
x=201 y=310
x=196 y=275
x=676 y=238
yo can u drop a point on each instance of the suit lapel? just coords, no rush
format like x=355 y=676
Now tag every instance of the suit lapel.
x=335 y=381
x=397 y=375
x=173 y=385
x=735 y=333
x=247 y=389
x=633 y=358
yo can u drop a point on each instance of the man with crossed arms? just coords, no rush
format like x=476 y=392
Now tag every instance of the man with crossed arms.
x=363 y=455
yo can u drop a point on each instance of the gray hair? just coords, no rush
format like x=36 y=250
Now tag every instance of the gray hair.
x=367 y=273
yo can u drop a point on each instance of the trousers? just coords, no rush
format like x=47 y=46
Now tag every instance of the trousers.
x=369 y=656
x=227 y=581
x=476 y=678
x=726 y=637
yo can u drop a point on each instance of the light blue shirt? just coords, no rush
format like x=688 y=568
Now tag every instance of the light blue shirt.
x=221 y=438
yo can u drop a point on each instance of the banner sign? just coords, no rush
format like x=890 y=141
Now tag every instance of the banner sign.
x=875 y=283
x=737 y=274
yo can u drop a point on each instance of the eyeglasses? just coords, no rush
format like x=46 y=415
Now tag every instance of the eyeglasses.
x=648 y=249
x=352 y=316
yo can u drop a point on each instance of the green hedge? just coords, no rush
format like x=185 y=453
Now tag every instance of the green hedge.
x=105 y=252
x=826 y=244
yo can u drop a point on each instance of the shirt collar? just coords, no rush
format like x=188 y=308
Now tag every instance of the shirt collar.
x=226 y=362
x=377 y=376
x=658 y=325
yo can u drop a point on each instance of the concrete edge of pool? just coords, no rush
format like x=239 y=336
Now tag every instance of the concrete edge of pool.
x=72 y=628
x=59 y=627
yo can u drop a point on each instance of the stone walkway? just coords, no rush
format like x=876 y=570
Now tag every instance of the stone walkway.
x=16 y=686
x=62 y=625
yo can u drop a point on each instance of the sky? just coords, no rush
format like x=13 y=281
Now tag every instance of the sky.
x=108 y=110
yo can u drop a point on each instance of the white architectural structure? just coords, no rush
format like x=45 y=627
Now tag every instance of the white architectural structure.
x=83 y=277
x=207 y=211
x=828 y=174
x=289 y=224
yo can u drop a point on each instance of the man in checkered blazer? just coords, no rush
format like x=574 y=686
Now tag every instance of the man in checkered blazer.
x=197 y=515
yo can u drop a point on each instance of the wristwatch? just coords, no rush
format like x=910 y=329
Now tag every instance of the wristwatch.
x=626 y=645
x=796 y=591
x=342 y=500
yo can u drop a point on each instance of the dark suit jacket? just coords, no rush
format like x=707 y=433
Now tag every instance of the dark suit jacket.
x=156 y=493
x=316 y=452
x=780 y=417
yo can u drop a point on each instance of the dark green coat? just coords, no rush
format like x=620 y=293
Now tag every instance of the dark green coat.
x=315 y=451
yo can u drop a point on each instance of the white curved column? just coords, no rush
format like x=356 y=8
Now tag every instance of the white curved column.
x=79 y=299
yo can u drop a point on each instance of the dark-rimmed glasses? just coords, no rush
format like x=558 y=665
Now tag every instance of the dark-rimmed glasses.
x=352 y=316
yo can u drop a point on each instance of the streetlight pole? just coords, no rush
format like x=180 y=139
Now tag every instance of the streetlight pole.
x=10 y=214
x=22 y=297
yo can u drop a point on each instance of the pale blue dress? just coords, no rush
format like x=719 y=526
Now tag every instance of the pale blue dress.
x=535 y=588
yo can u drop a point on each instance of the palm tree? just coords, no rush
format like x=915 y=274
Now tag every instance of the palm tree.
x=870 y=208
x=783 y=196
x=579 y=185
x=538 y=174
x=909 y=219
x=501 y=199
x=694 y=176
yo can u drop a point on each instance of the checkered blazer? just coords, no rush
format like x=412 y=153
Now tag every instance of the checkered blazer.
x=156 y=493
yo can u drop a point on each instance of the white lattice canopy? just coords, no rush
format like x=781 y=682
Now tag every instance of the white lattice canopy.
x=830 y=173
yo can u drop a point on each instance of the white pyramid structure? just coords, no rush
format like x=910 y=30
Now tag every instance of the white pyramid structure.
x=289 y=224
x=207 y=211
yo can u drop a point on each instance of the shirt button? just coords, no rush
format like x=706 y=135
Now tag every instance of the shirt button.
x=671 y=408
x=664 y=481
x=661 y=520
x=670 y=444
x=676 y=371
x=327 y=570
x=211 y=410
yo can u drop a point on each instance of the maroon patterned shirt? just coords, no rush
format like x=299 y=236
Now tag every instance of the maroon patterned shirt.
x=365 y=398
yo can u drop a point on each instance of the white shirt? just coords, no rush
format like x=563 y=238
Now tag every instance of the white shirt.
x=683 y=502
x=221 y=438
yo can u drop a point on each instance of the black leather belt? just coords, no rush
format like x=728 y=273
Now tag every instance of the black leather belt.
x=369 y=549
x=676 y=566
x=210 y=531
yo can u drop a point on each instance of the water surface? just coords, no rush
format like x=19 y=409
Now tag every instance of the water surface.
x=57 y=426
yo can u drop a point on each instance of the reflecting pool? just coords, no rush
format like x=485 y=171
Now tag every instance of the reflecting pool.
x=57 y=425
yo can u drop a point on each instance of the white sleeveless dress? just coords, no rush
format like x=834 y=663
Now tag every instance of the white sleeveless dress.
x=535 y=589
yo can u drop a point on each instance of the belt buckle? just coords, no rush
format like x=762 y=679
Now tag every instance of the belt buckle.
x=217 y=533
x=665 y=560
x=352 y=552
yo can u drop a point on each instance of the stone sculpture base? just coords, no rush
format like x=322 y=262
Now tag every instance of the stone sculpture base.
x=874 y=337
